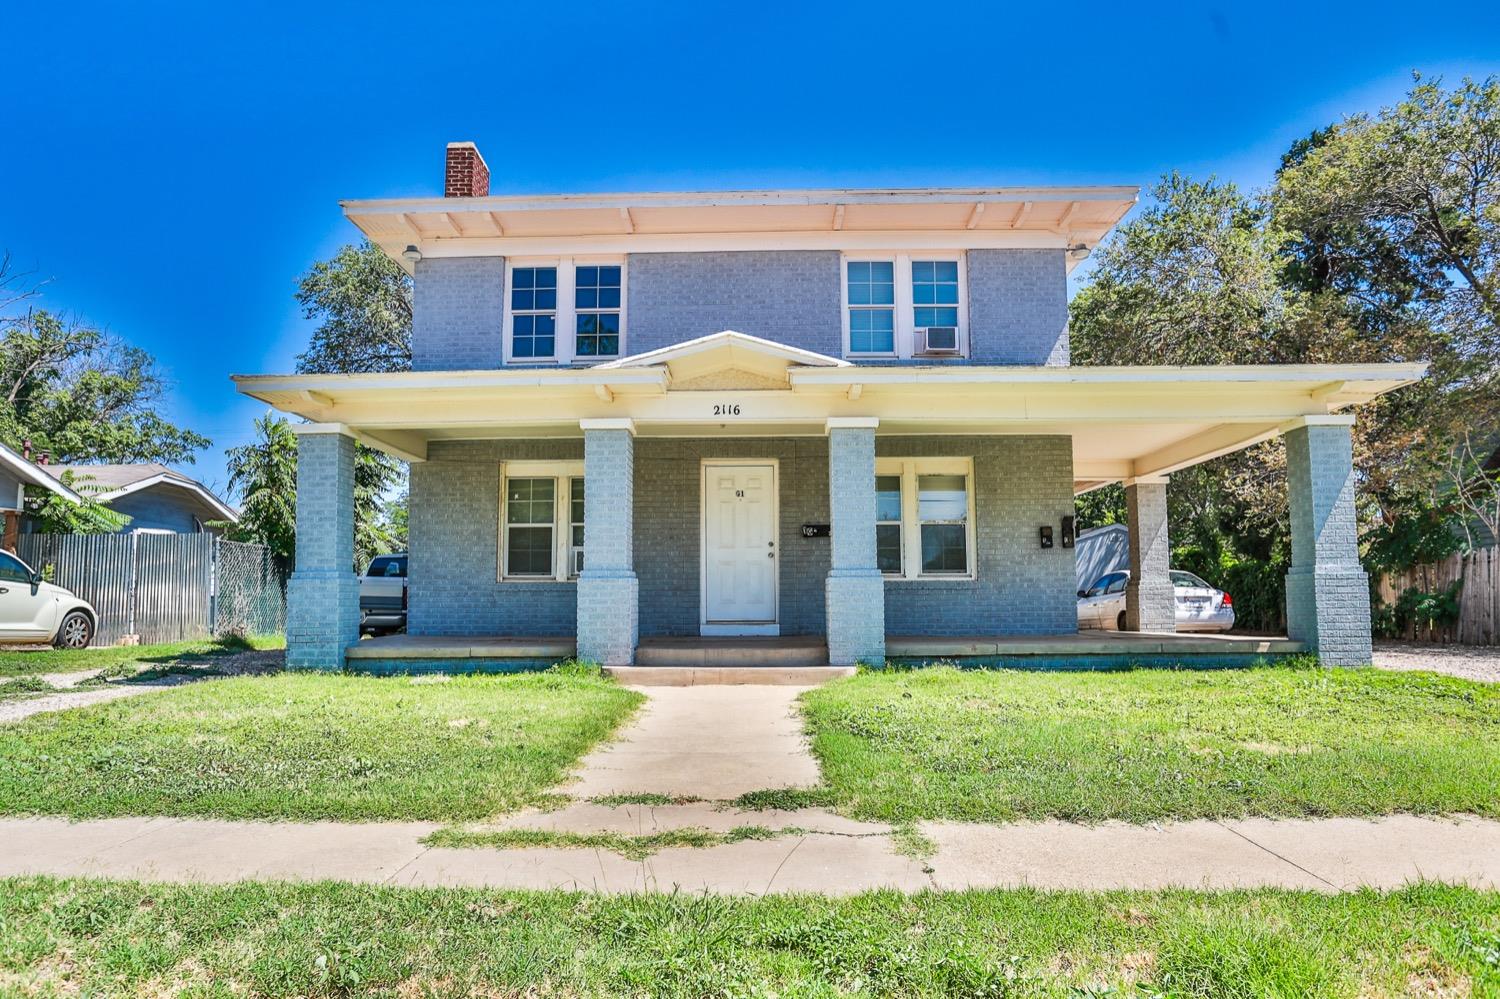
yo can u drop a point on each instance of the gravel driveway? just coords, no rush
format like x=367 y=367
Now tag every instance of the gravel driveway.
x=1467 y=661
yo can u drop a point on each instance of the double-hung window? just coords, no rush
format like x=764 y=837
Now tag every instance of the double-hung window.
x=924 y=517
x=871 y=290
x=889 y=297
x=564 y=311
x=541 y=520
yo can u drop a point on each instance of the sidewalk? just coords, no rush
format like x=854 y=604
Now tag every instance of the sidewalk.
x=716 y=743
x=1321 y=855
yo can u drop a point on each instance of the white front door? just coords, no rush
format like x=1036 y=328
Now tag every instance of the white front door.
x=739 y=548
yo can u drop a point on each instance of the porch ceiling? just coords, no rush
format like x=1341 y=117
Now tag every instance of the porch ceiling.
x=1124 y=421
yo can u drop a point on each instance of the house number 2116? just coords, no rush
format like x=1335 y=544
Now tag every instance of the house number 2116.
x=727 y=409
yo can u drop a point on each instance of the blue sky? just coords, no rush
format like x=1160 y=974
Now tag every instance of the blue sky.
x=134 y=133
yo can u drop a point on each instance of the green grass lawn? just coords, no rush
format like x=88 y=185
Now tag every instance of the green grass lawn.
x=312 y=746
x=1155 y=744
x=34 y=661
x=127 y=939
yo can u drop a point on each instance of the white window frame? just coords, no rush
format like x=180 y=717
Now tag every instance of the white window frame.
x=562 y=473
x=911 y=528
x=905 y=338
x=566 y=342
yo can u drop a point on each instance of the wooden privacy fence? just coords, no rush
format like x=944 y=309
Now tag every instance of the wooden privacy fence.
x=1478 y=572
x=165 y=587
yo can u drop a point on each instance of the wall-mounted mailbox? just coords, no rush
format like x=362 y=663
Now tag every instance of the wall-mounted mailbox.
x=1067 y=532
x=1046 y=535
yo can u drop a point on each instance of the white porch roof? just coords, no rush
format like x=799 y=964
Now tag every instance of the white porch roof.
x=1124 y=421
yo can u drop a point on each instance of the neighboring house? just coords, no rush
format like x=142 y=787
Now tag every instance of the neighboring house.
x=16 y=473
x=156 y=499
x=846 y=415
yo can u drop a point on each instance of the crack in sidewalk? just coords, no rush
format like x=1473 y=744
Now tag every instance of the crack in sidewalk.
x=1280 y=857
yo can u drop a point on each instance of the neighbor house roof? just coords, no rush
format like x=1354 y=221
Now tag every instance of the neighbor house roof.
x=31 y=474
x=848 y=219
x=106 y=483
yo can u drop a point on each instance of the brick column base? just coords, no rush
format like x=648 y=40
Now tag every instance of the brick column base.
x=854 y=601
x=608 y=616
x=1330 y=611
x=322 y=618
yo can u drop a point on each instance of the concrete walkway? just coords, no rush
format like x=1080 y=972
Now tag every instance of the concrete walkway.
x=63 y=700
x=709 y=742
x=1322 y=855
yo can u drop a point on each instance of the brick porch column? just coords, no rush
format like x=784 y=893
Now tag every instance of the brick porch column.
x=608 y=592
x=1149 y=602
x=855 y=593
x=1327 y=592
x=322 y=612
x=10 y=535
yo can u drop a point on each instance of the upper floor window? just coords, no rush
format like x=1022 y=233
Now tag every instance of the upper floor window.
x=891 y=300
x=564 y=311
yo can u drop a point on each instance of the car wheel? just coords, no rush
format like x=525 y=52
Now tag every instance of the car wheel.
x=1120 y=621
x=77 y=632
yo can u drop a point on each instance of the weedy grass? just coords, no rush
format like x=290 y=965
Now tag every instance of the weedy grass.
x=630 y=847
x=133 y=657
x=275 y=940
x=312 y=746
x=1149 y=744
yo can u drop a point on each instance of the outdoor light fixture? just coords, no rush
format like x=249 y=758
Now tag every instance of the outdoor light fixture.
x=1078 y=252
x=412 y=253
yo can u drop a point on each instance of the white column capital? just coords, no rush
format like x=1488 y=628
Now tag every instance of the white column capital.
x=1145 y=480
x=342 y=429
x=624 y=423
x=1319 y=420
x=851 y=423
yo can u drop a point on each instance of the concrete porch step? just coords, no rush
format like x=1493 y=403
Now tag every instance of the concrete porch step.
x=781 y=652
x=694 y=676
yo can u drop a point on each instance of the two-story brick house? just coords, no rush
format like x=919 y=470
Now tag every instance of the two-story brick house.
x=843 y=415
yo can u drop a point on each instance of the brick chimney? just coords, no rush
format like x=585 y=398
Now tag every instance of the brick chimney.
x=466 y=175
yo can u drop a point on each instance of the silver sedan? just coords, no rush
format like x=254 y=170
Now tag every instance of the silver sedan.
x=1200 y=607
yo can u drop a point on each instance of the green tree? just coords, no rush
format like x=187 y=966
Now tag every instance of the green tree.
x=362 y=302
x=82 y=396
x=263 y=474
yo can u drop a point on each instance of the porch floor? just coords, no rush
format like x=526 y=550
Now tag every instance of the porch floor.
x=1090 y=647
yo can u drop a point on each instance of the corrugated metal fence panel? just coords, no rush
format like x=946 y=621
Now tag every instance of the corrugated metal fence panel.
x=162 y=586
x=97 y=567
x=173 y=585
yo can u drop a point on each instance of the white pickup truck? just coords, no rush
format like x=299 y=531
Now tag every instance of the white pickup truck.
x=382 y=594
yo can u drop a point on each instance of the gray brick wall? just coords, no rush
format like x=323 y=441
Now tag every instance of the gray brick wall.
x=457 y=307
x=1022 y=482
x=790 y=296
x=1018 y=306
x=1327 y=592
x=454 y=544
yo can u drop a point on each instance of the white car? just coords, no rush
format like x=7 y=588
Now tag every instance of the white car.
x=1200 y=607
x=32 y=610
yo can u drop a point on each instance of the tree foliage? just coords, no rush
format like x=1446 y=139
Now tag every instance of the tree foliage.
x=263 y=474
x=1377 y=242
x=362 y=301
x=77 y=393
x=54 y=514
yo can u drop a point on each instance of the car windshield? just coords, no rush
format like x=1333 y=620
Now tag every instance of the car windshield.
x=388 y=565
x=1186 y=580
